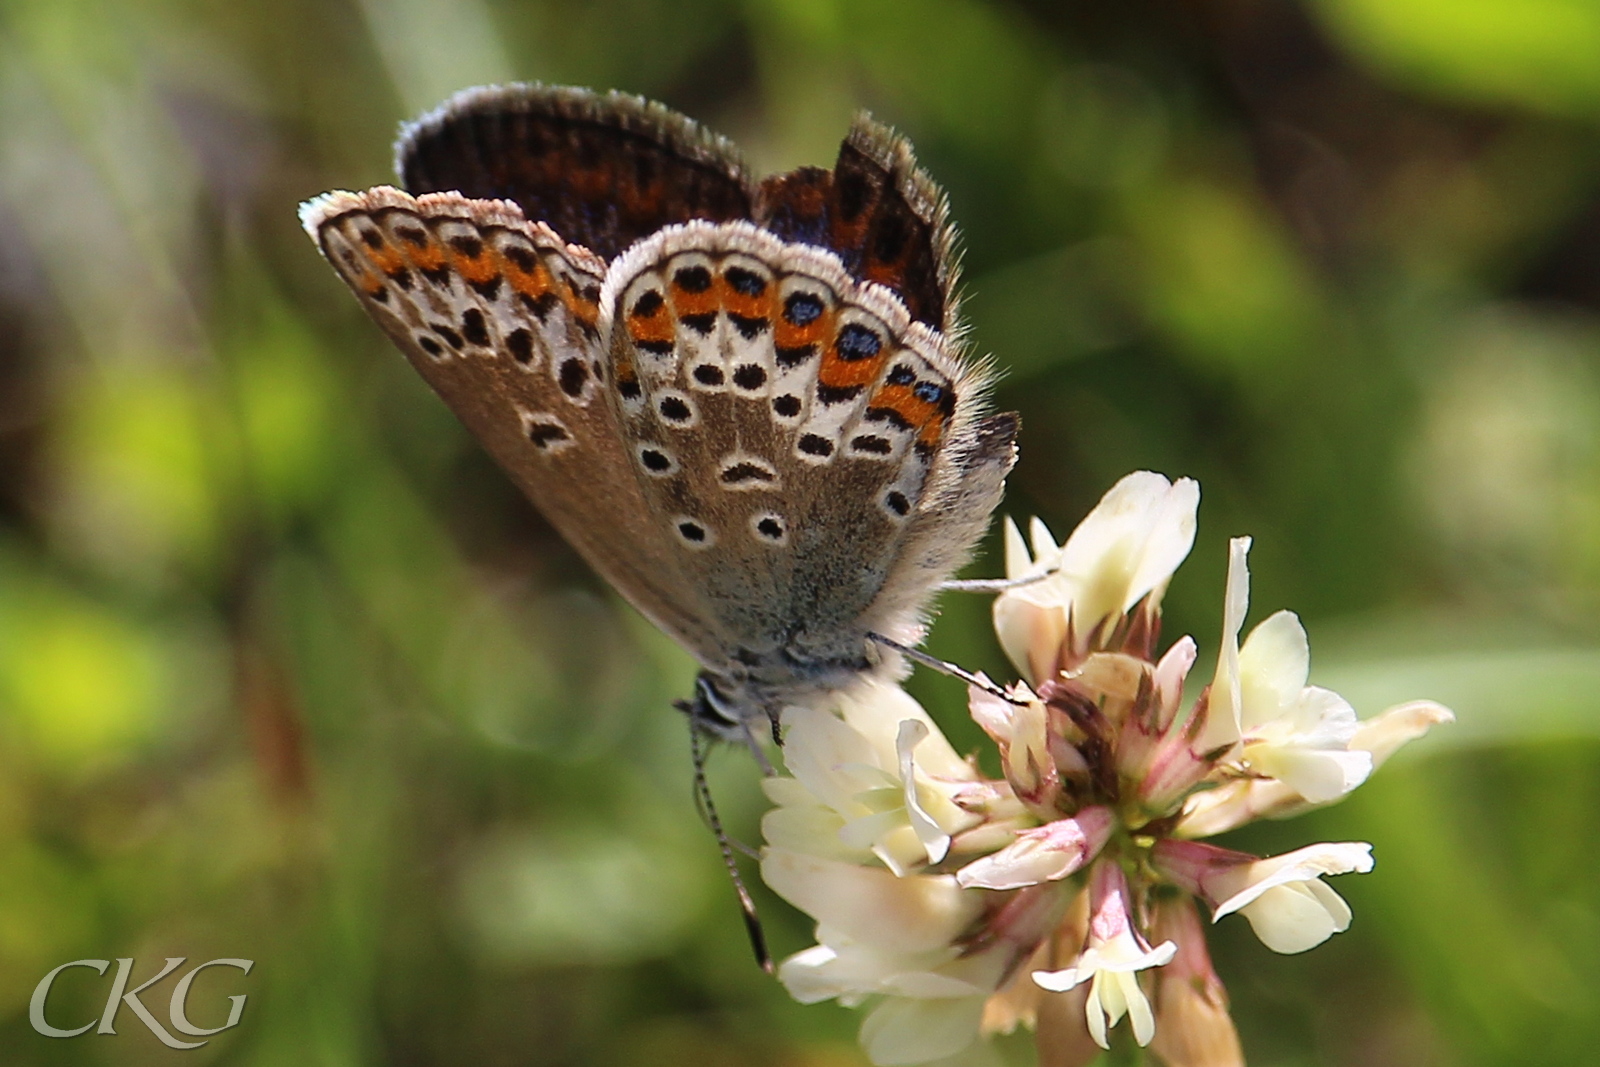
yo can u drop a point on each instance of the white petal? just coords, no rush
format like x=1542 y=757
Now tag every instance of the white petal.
x=1223 y=724
x=1170 y=537
x=934 y=839
x=1173 y=669
x=906 y=1031
x=1301 y=865
x=871 y=906
x=1044 y=854
x=1323 y=717
x=1062 y=980
x=865 y=831
x=1319 y=775
x=992 y=713
x=1236 y=598
x=1030 y=634
x=1018 y=865
x=1044 y=544
x=1294 y=918
x=784 y=790
x=1383 y=734
x=1139 y=1013
x=808 y=976
x=1095 y=1010
x=900 y=850
x=1018 y=561
x=1273 y=664
x=820 y=751
x=810 y=828
x=1111 y=992
x=851 y=971
x=1128 y=545
x=877 y=709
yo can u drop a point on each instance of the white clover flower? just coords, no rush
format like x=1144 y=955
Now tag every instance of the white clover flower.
x=880 y=780
x=949 y=905
x=1289 y=907
x=1111 y=961
x=1124 y=550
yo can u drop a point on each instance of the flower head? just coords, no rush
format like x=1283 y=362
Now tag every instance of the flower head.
x=1062 y=895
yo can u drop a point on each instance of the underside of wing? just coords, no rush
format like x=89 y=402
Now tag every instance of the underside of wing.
x=790 y=428
x=502 y=318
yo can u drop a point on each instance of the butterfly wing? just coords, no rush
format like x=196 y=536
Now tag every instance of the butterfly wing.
x=801 y=442
x=502 y=318
x=885 y=219
x=769 y=442
x=603 y=171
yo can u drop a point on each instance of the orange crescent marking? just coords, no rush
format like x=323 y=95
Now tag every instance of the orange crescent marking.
x=687 y=303
x=760 y=306
x=656 y=327
x=583 y=309
x=386 y=258
x=477 y=269
x=429 y=256
x=836 y=371
x=786 y=334
x=530 y=283
x=901 y=400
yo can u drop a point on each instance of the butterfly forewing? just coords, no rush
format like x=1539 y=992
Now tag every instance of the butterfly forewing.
x=502 y=319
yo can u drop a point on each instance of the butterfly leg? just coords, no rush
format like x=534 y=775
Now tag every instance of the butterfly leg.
x=946 y=667
x=992 y=585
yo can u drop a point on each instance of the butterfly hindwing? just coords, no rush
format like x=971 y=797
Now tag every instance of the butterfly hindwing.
x=788 y=422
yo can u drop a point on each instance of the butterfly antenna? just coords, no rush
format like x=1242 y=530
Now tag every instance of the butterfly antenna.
x=994 y=585
x=944 y=666
x=708 y=812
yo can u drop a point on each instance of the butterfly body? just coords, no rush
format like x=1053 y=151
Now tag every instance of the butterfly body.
x=742 y=403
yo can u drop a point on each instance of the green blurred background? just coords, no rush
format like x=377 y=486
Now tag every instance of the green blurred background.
x=289 y=672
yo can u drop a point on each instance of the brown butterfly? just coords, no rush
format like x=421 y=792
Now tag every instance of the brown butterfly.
x=745 y=403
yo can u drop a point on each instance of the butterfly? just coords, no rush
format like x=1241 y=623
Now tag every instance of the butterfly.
x=746 y=404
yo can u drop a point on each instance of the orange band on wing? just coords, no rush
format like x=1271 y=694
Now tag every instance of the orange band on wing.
x=527 y=272
x=853 y=357
x=584 y=303
x=747 y=305
x=913 y=411
x=656 y=326
x=474 y=260
x=786 y=334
